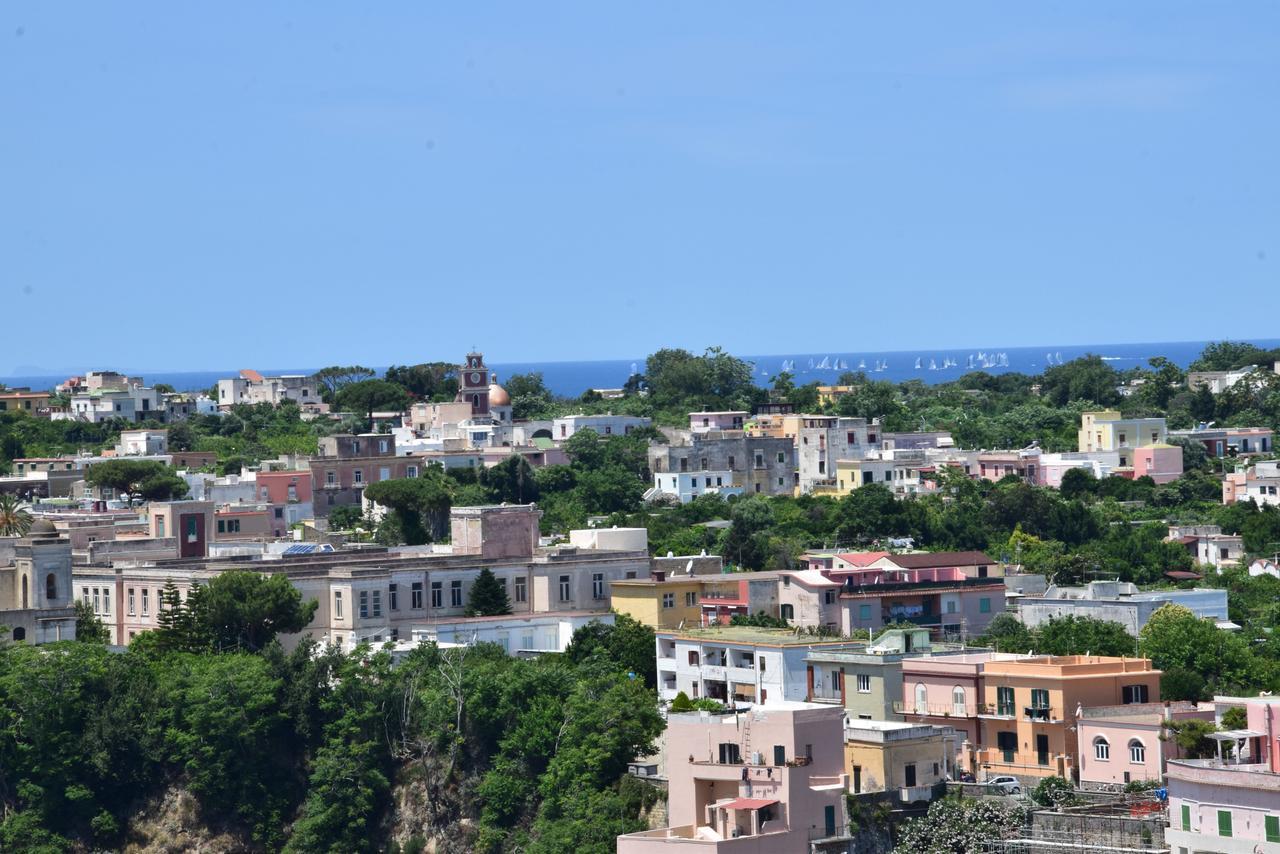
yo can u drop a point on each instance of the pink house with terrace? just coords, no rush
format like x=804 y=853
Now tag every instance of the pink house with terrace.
x=767 y=781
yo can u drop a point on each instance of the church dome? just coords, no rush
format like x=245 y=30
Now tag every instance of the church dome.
x=42 y=529
x=498 y=395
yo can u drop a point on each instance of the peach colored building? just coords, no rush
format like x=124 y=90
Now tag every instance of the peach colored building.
x=284 y=487
x=1029 y=708
x=767 y=781
x=946 y=691
x=1120 y=744
x=1161 y=463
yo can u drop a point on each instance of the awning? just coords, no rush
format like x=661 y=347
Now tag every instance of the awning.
x=746 y=689
x=1228 y=625
x=747 y=804
x=1235 y=734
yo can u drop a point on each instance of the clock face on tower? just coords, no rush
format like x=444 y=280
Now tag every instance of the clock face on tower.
x=475 y=378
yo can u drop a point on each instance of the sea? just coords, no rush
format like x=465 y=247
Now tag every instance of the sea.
x=570 y=379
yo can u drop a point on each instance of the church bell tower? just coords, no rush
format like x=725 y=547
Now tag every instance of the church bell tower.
x=473 y=385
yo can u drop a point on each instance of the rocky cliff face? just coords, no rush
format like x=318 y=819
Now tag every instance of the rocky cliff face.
x=171 y=824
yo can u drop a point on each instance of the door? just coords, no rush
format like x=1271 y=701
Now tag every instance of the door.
x=857 y=779
x=829 y=815
x=779 y=754
x=1042 y=749
x=909 y=772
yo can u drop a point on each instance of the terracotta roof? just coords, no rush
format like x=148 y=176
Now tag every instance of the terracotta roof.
x=927 y=560
x=251 y=375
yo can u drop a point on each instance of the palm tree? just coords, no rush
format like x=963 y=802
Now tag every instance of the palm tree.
x=15 y=521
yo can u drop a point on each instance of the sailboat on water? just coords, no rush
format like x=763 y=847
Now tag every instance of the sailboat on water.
x=917 y=363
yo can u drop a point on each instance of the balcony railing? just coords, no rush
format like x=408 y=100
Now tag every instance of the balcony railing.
x=937 y=710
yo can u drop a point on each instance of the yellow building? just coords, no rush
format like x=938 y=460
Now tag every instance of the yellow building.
x=828 y=394
x=886 y=756
x=1106 y=430
x=665 y=604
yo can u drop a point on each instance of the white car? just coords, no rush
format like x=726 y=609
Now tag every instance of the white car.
x=1008 y=785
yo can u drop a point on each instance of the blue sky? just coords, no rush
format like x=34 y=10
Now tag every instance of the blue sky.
x=309 y=183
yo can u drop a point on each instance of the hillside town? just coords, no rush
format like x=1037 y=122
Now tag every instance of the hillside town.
x=830 y=633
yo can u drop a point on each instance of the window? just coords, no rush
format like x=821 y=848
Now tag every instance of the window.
x=958 y=701
x=984 y=606
x=1134 y=694
x=357 y=476
x=279 y=512
x=377 y=603
x=106 y=600
x=829 y=597
x=159 y=524
x=951 y=606
x=393 y=598
x=146 y=604
x=330 y=478
x=437 y=594
x=455 y=593
x=597 y=585
x=1004 y=701
x=411 y=471
x=922 y=698
x=691 y=598
x=131 y=603
x=364 y=604
x=693 y=658
x=782 y=457
x=1137 y=752
x=337 y=603
x=1101 y=749
x=864 y=612
x=1224 y=822
x=564 y=588
x=382 y=446
x=1272 y=827
x=384 y=473
x=1039 y=698
x=668 y=600
x=787 y=612
x=1186 y=817
x=521 y=589
x=415 y=595
x=50 y=587
x=864 y=683
x=1007 y=743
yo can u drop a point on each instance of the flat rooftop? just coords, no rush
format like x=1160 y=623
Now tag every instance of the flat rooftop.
x=760 y=636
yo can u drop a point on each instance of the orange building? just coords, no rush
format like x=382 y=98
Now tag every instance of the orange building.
x=1028 y=710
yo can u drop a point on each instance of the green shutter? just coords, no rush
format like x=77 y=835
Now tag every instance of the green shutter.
x=1273 y=828
x=1186 y=817
x=1224 y=822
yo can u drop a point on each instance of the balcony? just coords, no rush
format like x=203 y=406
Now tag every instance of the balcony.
x=936 y=710
x=1041 y=714
x=999 y=713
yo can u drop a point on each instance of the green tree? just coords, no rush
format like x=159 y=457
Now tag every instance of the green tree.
x=148 y=479
x=1088 y=378
x=628 y=643
x=511 y=481
x=1073 y=635
x=15 y=520
x=1176 y=640
x=1192 y=737
x=488 y=597
x=335 y=378
x=89 y=629
x=530 y=397
x=428 y=381
x=245 y=610
x=420 y=504
x=369 y=395
x=956 y=826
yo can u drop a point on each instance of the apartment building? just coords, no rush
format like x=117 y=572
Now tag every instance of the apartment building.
x=1229 y=441
x=1027 y=716
x=706 y=422
x=944 y=600
x=946 y=690
x=1207 y=545
x=820 y=441
x=737 y=664
x=251 y=387
x=757 y=465
x=1259 y=482
x=770 y=781
x=1120 y=602
x=346 y=463
x=865 y=678
x=605 y=425
x=24 y=400
x=1230 y=804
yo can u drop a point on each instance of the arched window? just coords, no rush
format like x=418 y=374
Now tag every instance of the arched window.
x=19 y=634
x=50 y=587
x=958 y=701
x=788 y=612
x=24 y=593
x=1101 y=749
x=1137 y=752
x=922 y=699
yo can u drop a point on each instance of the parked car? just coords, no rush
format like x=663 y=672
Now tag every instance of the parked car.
x=1008 y=785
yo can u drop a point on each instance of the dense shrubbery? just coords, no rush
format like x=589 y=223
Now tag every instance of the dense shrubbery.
x=298 y=751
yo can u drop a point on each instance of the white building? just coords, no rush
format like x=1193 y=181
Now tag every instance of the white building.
x=688 y=485
x=252 y=387
x=736 y=663
x=605 y=425
x=518 y=634
x=142 y=442
x=132 y=403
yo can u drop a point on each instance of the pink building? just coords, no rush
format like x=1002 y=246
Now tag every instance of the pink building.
x=769 y=781
x=942 y=599
x=1230 y=804
x=284 y=487
x=1161 y=463
x=705 y=421
x=1120 y=744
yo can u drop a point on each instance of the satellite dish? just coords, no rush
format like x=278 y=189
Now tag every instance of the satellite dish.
x=688 y=567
